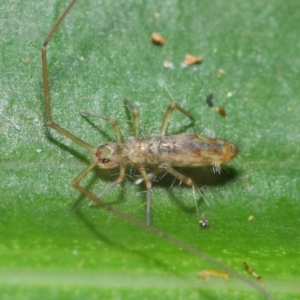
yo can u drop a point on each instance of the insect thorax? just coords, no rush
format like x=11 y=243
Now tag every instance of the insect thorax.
x=154 y=151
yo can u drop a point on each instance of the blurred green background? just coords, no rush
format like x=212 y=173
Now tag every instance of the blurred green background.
x=102 y=54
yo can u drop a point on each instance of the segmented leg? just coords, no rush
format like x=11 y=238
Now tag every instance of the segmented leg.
x=112 y=121
x=151 y=175
x=115 y=183
x=135 y=115
x=99 y=202
x=50 y=123
x=178 y=175
x=148 y=185
x=184 y=179
x=170 y=170
x=167 y=116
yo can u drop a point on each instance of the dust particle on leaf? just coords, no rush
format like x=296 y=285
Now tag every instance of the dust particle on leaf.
x=157 y=39
x=192 y=60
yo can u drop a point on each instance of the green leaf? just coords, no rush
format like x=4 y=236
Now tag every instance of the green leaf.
x=102 y=54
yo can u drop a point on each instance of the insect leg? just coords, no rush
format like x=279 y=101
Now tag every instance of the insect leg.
x=112 y=121
x=115 y=183
x=50 y=123
x=135 y=115
x=76 y=181
x=149 y=175
x=148 y=185
x=179 y=176
x=184 y=179
x=168 y=114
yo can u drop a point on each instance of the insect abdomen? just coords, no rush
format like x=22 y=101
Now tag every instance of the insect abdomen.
x=184 y=150
x=209 y=151
x=197 y=151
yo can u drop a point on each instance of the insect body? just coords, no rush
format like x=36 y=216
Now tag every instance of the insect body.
x=162 y=152
x=184 y=150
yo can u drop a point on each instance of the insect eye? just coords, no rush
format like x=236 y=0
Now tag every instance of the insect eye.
x=104 y=160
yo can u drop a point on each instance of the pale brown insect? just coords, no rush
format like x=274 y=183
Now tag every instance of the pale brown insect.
x=161 y=152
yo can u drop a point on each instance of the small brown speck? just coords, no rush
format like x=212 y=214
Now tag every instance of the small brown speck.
x=191 y=60
x=222 y=112
x=157 y=39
